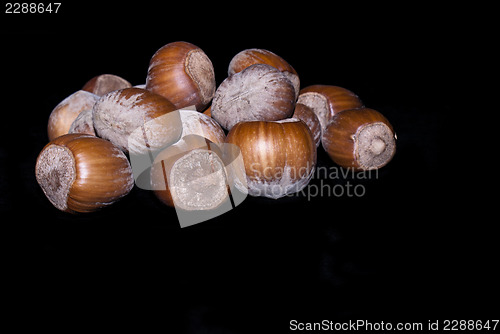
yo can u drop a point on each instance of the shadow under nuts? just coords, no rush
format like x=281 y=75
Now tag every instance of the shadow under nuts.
x=279 y=156
x=362 y=139
x=258 y=93
x=83 y=173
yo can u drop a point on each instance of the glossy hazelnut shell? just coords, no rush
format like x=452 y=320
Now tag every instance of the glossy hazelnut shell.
x=279 y=156
x=83 y=123
x=183 y=73
x=64 y=114
x=100 y=172
x=127 y=117
x=336 y=99
x=305 y=114
x=105 y=83
x=341 y=137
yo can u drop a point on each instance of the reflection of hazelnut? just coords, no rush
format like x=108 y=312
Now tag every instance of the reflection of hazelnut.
x=82 y=173
x=105 y=83
x=279 y=156
x=136 y=120
x=182 y=73
x=327 y=100
x=250 y=57
x=258 y=93
x=65 y=113
x=362 y=139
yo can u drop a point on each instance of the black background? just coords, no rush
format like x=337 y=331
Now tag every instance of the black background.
x=414 y=247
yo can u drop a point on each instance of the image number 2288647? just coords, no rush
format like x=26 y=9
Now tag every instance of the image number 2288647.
x=32 y=8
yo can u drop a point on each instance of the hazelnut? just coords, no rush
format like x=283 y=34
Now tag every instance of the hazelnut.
x=196 y=123
x=182 y=73
x=279 y=156
x=63 y=115
x=105 y=83
x=327 y=100
x=82 y=173
x=190 y=175
x=208 y=111
x=260 y=56
x=362 y=139
x=258 y=93
x=306 y=115
x=83 y=123
x=136 y=120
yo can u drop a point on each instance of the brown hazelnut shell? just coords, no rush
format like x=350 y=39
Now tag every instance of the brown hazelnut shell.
x=136 y=120
x=305 y=114
x=196 y=123
x=361 y=139
x=105 y=83
x=183 y=73
x=83 y=123
x=327 y=100
x=258 y=93
x=250 y=57
x=190 y=175
x=208 y=111
x=279 y=156
x=63 y=115
x=83 y=173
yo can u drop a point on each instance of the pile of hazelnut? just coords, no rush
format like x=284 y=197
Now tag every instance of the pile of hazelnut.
x=186 y=126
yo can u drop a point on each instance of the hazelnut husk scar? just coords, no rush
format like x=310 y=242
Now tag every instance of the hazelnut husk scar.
x=260 y=92
x=250 y=57
x=137 y=120
x=63 y=115
x=83 y=173
x=361 y=139
x=182 y=73
x=328 y=100
x=194 y=174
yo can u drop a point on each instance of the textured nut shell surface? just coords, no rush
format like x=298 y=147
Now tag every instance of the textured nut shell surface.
x=136 y=119
x=306 y=115
x=63 y=115
x=173 y=165
x=83 y=123
x=326 y=101
x=101 y=173
x=279 y=157
x=258 y=93
x=250 y=57
x=340 y=138
x=182 y=73
x=105 y=83
x=196 y=123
